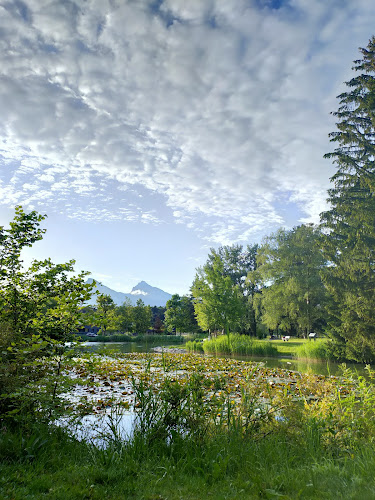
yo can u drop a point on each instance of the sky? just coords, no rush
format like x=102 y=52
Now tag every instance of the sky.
x=150 y=131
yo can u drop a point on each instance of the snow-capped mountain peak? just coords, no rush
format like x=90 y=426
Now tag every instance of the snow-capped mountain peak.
x=150 y=295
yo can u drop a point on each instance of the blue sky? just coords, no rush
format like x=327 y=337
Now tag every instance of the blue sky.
x=150 y=131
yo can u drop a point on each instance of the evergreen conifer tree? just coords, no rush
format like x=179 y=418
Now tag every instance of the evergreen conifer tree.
x=349 y=225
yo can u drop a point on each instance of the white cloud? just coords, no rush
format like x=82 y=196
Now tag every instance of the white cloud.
x=218 y=106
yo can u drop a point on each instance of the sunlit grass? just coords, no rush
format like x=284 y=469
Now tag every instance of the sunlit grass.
x=192 y=442
x=239 y=344
x=316 y=349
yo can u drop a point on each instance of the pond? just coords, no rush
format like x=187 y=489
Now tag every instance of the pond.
x=110 y=381
x=316 y=367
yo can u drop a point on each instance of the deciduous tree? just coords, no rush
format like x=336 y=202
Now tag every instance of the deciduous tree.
x=218 y=302
x=293 y=295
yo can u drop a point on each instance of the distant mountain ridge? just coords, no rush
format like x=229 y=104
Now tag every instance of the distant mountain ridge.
x=151 y=295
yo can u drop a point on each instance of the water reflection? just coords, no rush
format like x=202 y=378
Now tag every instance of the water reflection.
x=101 y=429
x=304 y=366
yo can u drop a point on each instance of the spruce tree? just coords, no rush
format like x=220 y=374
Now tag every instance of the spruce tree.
x=349 y=224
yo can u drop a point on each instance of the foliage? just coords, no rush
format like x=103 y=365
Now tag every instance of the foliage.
x=218 y=303
x=121 y=337
x=142 y=317
x=32 y=378
x=349 y=225
x=40 y=307
x=43 y=299
x=124 y=316
x=179 y=315
x=104 y=315
x=240 y=265
x=293 y=295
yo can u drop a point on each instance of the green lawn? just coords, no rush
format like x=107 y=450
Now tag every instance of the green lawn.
x=287 y=348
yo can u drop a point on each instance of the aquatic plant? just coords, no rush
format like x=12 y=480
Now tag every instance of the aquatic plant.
x=239 y=344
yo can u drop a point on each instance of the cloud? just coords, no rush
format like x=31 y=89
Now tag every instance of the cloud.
x=220 y=107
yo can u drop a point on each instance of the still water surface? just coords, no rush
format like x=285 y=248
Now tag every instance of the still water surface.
x=98 y=428
x=303 y=366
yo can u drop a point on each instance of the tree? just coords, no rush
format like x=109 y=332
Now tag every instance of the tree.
x=124 y=314
x=39 y=307
x=349 y=224
x=218 y=303
x=142 y=317
x=179 y=315
x=240 y=264
x=42 y=299
x=105 y=316
x=293 y=296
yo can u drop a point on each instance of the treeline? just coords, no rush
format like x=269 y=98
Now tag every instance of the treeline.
x=275 y=287
x=177 y=317
x=319 y=278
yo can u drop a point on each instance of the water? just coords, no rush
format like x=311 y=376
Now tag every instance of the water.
x=97 y=428
x=101 y=429
x=316 y=367
x=124 y=346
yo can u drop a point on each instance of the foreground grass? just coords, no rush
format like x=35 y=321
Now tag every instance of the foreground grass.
x=223 y=466
x=205 y=428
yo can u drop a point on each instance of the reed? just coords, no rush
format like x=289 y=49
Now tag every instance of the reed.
x=239 y=344
x=315 y=349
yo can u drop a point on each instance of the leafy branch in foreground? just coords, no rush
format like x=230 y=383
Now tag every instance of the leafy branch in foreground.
x=40 y=306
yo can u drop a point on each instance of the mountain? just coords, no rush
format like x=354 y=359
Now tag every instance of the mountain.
x=150 y=295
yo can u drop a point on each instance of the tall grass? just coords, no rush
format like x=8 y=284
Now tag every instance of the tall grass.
x=314 y=349
x=322 y=449
x=239 y=344
x=194 y=346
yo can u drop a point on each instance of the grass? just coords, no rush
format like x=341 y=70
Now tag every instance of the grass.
x=189 y=443
x=241 y=344
x=288 y=348
x=238 y=344
x=313 y=350
x=302 y=348
x=225 y=466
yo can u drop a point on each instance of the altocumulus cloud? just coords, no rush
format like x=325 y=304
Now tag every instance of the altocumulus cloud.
x=222 y=108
